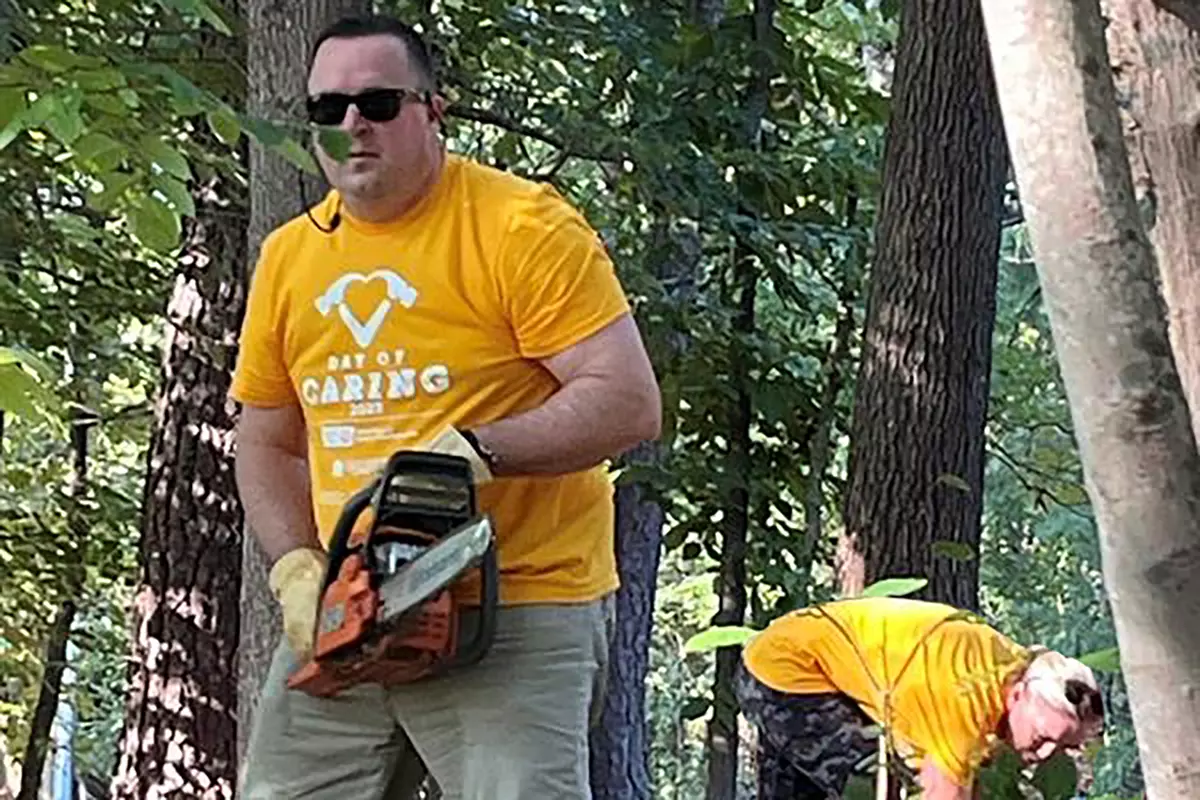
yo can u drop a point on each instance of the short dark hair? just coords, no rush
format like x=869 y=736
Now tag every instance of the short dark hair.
x=354 y=27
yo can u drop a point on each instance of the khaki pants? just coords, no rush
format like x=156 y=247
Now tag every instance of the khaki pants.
x=515 y=726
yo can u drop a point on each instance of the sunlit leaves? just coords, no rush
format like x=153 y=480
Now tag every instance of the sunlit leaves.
x=720 y=636
x=25 y=385
x=155 y=223
x=201 y=9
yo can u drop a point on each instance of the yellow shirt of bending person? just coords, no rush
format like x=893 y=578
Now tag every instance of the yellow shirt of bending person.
x=939 y=675
x=387 y=333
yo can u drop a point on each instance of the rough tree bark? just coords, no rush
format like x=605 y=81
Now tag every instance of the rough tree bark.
x=916 y=453
x=730 y=585
x=619 y=742
x=1109 y=322
x=279 y=37
x=1188 y=11
x=73 y=579
x=1156 y=59
x=180 y=735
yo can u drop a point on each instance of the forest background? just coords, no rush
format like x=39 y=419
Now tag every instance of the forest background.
x=812 y=208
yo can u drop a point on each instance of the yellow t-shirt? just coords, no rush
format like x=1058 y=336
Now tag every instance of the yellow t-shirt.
x=943 y=674
x=386 y=333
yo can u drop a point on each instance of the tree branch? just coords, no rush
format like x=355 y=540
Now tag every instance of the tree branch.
x=488 y=117
x=1186 y=10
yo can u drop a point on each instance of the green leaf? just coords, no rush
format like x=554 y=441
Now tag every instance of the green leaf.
x=291 y=150
x=176 y=192
x=108 y=103
x=1001 y=779
x=224 y=126
x=1056 y=778
x=957 y=551
x=12 y=355
x=67 y=124
x=265 y=132
x=166 y=157
x=155 y=224
x=859 y=787
x=202 y=10
x=24 y=380
x=12 y=103
x=894 y=587
x=719 y=636
x=336 y=142
x=99 y=80
x=115 y=184
x=102 y=151
x=1106 y=660
x=49 y=57
x=16 y=389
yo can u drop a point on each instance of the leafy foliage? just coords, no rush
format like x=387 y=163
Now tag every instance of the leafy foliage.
x=639 y=113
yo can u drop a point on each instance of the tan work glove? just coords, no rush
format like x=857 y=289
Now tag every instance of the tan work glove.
x=450 y=442
x=296 y=580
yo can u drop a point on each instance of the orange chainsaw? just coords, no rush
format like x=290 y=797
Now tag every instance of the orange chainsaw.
x=388 y=614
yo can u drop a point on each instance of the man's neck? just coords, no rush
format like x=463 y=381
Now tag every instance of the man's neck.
x=395 y=208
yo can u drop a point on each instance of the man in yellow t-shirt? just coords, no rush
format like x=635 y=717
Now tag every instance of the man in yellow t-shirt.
x=432 y=303
x=818 y=683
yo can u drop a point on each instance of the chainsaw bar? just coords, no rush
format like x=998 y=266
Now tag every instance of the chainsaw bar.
x=434 y=569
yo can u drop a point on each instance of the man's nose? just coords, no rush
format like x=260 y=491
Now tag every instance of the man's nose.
x=354 y=120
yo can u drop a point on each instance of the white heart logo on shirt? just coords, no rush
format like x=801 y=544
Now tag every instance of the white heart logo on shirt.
x=364 y=332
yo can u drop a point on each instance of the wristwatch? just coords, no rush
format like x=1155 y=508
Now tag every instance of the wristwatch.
x=488 y=455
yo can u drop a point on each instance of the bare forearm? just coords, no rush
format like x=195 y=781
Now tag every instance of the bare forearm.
x=274 y=488
x=584 y=423
x=937 y=786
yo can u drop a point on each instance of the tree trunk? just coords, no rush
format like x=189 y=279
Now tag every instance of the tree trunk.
x=916 y=457
x=619 y=743
x=1109 y=323
x=1157 y=63
x=722 y=731
x=180 y=734
x=1188 y=11
x=38 y=745
x=279 y=36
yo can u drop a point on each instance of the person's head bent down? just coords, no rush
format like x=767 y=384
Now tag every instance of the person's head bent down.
x=1054 y=704
x=818 y=682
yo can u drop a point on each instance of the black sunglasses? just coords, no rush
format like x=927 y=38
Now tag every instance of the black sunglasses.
x=376 y=105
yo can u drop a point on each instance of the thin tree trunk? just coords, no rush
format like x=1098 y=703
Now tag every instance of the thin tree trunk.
x=37 y=748
x=1157 y=69
x=916 y=453
x=619 y=743
x=722 y=731
x=1109 y=321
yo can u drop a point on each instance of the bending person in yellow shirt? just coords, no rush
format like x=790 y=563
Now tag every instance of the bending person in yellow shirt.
x=818 y=683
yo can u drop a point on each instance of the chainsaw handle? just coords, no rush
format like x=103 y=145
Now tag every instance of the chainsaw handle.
x=339 y=543
x=489 y=597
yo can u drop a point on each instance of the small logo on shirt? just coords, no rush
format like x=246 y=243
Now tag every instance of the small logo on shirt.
x=398 y=290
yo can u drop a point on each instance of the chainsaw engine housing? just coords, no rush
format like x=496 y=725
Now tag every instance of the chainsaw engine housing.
x=388 y=614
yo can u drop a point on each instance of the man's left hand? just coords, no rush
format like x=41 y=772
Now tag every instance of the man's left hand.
x=451 y=442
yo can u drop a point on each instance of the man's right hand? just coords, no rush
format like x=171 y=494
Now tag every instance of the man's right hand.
x=296 y=580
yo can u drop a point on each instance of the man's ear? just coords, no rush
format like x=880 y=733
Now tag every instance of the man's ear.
x=437 y=109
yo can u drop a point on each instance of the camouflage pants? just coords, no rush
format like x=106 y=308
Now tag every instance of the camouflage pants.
x=808 y=744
